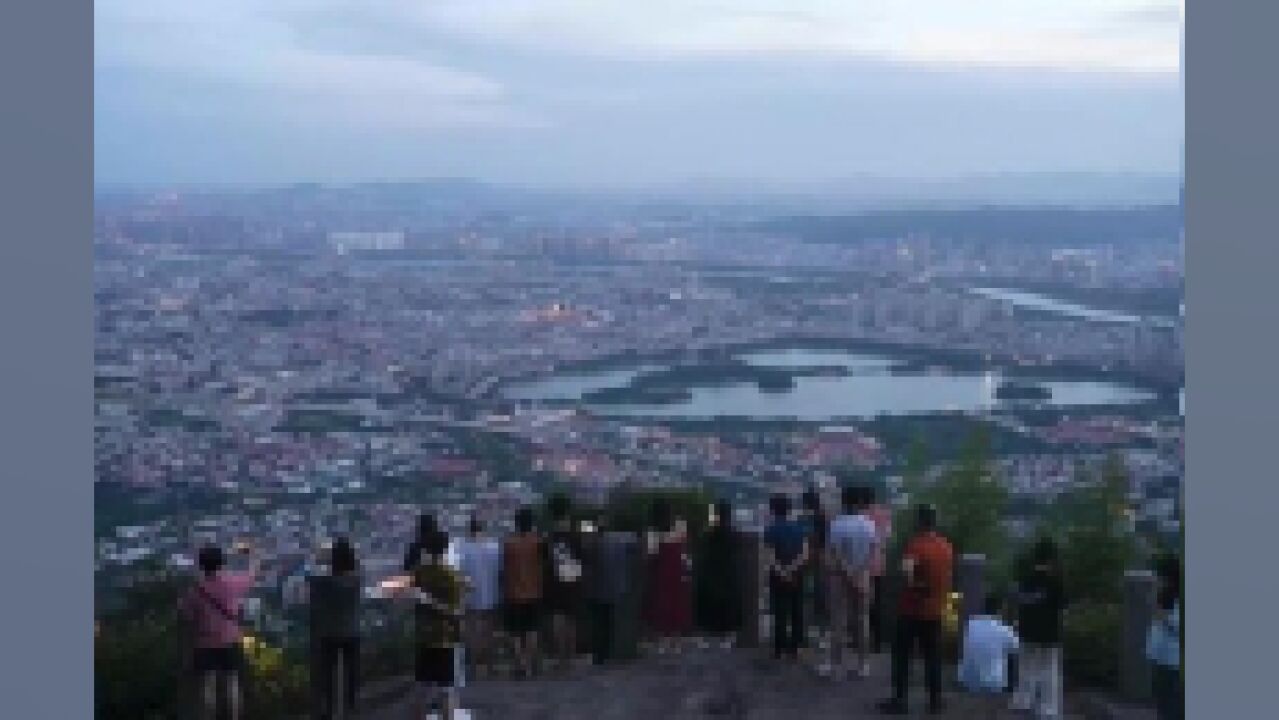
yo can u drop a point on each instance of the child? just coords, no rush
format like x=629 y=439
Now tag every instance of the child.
x=983 y=666
x=439 y=590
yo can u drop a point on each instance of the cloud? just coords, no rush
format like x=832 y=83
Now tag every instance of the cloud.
x=238 y=43
x=1053 y=34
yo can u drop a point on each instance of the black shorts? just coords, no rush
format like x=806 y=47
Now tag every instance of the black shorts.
x=523 y=617
x=435 y=665
x=226 y=659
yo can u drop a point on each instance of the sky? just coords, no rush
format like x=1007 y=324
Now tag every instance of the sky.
x=632 y=93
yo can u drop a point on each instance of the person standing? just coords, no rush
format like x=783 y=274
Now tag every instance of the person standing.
x=609 y=559
x=1041 y=602
x=927 y=569
x=670 y=593
x=522 y=577
x=1163 y=642
x=816 y=526
x=480 y=558
x=438 y=589
x=785 y=555
x=718 y=578
x=853 y=545
x=882 y=516
x=212 y=605
x=564 y=580
x=335 y=625
x=426 y=524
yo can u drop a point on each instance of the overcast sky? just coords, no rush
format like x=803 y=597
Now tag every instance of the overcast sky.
x=573 y=92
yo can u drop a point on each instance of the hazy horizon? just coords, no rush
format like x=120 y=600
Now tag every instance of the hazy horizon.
x=570 y=94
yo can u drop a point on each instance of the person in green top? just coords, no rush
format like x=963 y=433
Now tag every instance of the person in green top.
x=439 y=590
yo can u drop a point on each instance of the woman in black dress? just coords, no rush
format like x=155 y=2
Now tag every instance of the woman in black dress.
x=719 y=602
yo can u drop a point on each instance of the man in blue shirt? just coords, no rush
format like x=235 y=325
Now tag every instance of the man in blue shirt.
x=786 y=554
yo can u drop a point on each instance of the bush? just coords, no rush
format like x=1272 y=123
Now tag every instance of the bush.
x=1091 y=644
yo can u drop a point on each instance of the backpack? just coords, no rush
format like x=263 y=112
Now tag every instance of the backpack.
x=567 y=568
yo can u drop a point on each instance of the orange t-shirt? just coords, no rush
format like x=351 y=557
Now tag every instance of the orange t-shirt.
x=522 y=568
x=934 y=566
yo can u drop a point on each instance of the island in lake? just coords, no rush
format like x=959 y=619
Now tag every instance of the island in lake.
x=1009 y=390
x=672 y=385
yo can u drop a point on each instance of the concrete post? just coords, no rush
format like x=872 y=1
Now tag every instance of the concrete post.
x=970 y=583
x=751 y=586
x=1139 y=607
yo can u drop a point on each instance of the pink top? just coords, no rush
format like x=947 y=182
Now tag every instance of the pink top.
x=883 y=519
x=213 y=626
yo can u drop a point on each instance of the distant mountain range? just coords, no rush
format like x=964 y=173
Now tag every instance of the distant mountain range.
x=856 y=193
x=1042 y=225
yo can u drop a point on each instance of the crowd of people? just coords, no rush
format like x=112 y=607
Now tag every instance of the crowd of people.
x=825 y=579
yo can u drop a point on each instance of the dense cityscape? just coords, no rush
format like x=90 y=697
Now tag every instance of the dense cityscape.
x=281 y=367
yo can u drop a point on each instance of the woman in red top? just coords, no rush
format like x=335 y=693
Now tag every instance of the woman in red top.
x=669 y=606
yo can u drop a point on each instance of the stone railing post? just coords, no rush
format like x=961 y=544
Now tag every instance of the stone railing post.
x=1139 y=606
x=970 y=583
x=750 y=587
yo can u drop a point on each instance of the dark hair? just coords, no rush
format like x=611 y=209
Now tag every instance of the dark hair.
x=779 y=504
x=855 y=497
x=992 y=605
x=476 y=527
x=724 y=515
x=209 y=559
x=436 y=544
x=1168 y=570
x=524 y=520
x=662 y=515
x=926 y=517
x=1044 y=552
x=559 y=506
x=811 y=500
x=426 y=525
x=342 y=557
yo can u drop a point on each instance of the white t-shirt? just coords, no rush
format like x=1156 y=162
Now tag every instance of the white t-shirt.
x=853 y=541
x=480 y=561
x=987 y=644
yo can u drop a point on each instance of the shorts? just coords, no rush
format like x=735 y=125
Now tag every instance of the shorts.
x=436 y=665
x=523 y=617
x=227 y=659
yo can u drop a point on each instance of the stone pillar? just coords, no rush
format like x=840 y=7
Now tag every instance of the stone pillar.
x=1139 y=607
x=751 y=586
x=970 y=583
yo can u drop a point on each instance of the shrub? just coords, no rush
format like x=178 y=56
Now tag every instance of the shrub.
x=1091 y=644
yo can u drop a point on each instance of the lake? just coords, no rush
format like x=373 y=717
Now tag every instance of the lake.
x=870 y=390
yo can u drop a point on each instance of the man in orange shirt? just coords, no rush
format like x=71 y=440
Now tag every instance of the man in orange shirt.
x=927 y=568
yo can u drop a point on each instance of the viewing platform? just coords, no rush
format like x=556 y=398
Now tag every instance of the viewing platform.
x=738 y=684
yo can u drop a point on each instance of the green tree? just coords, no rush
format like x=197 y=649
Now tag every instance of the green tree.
x=1097 y=547
x=971 y=499
x=1097 y=544
x=136 y=656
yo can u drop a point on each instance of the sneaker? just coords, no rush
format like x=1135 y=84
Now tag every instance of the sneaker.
x=863 y=671
x=825 y=670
